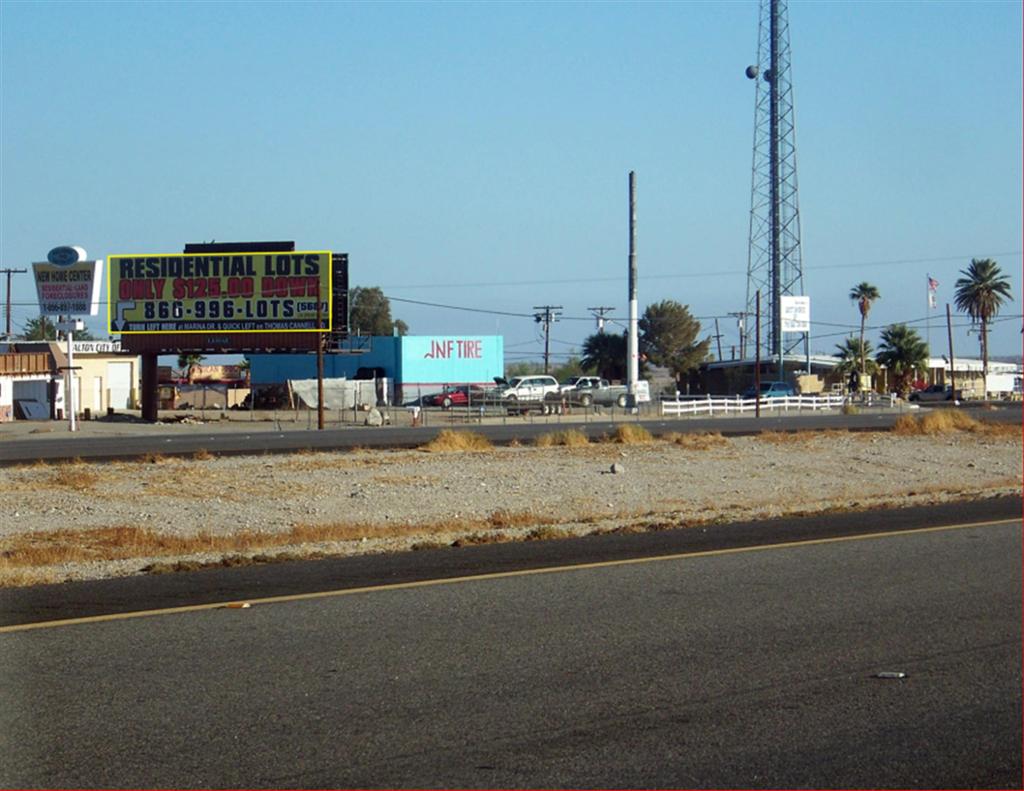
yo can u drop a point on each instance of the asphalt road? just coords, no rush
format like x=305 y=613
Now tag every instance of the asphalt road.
x=186 y=440
x=71 y=600
x=753 y=668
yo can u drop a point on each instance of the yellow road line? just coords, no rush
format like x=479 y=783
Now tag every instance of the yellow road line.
x=295 y=597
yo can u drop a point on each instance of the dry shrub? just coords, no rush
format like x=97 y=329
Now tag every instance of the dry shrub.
x=570 y=438
x=631 y=434
x=784 y=437
x=153 y=458
x=703 y=441
x=203 y=455
x=503 y=519
x=942 y=421
x=449 y=440
x=74 y=476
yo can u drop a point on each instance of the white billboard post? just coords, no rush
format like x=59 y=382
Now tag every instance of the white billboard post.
x=796 y=317
x=68 y=285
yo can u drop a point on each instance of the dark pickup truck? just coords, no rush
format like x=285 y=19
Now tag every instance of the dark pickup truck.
x=936 y=393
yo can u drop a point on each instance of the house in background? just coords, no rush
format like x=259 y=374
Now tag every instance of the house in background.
x=105 y=377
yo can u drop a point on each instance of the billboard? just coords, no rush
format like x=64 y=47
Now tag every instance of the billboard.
x=68 y=285
x=220 y=292
x=796 y=314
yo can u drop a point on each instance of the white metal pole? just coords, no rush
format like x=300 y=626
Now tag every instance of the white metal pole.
x=633 y=372
x=71 y=381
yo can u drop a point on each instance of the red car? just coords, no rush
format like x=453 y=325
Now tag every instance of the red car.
x=452 y=396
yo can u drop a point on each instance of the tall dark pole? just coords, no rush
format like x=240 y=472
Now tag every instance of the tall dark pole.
x=547 y=315
x=10 y=272
x=319 y=361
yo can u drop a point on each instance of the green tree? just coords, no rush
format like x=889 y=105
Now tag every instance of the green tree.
x=187 y=361
x=369 y=313
x=524 y=368
x=571 y=367
x=980 y=293
x=44 y=329
x=605 y=354
x=863 y=294
x=41 y=329
x=668 y=337
x=904 y=354
x=853 y=356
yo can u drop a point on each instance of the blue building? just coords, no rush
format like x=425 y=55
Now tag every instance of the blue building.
x=415 y=364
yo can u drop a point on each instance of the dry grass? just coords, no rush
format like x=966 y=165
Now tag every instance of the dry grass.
x=75 y=476
x=504 y=519
x=449 y=440
x=570 y=438
x=946 y=421
x=202 y=455
x=703 y=441
x=153 y=458
x=801 y=437
x=631 y=434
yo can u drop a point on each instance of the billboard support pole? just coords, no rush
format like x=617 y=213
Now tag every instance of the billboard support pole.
x=319 y=361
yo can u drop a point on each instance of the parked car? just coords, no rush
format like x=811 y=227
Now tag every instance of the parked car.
x=529 y=388
x=936 y=393
x=771 y=390
x=449 y=397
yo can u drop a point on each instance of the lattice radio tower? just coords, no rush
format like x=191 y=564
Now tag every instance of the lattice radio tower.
x=774 y=266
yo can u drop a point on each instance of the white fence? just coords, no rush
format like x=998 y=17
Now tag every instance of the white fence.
x=710 y=405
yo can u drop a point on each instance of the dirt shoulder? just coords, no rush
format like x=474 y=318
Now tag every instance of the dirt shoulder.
x=89 y=521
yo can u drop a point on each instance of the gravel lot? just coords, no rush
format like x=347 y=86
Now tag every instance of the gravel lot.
x=376 y=501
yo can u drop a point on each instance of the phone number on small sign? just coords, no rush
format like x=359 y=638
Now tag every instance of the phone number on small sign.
x=229 y=309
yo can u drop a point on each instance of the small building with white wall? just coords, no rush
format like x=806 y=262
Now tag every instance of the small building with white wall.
x=105 y=377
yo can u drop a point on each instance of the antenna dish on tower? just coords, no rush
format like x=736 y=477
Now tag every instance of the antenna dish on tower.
x=752 y=72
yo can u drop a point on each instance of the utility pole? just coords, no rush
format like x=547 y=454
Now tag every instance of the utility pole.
x=952 y=359
x=10 y=272
x=741 y=322
x=547 y=315
x=718 y=337
x=599 y=315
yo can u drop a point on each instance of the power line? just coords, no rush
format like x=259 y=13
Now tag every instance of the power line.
x=687 y=275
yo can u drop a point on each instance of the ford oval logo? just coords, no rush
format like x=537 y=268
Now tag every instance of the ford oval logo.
x=65 y=256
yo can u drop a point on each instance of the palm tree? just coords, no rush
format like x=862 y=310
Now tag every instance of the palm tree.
x=863 y=294
x=855 y=356
x=605 y=353
x=980 y=293
x=187 y=361
x=904 y=354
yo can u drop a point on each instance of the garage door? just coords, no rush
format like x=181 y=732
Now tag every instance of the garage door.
x=119 y=380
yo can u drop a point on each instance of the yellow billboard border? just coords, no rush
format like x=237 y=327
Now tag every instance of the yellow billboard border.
x=330 y=290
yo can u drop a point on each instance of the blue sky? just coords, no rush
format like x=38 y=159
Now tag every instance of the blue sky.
x=476 y=155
